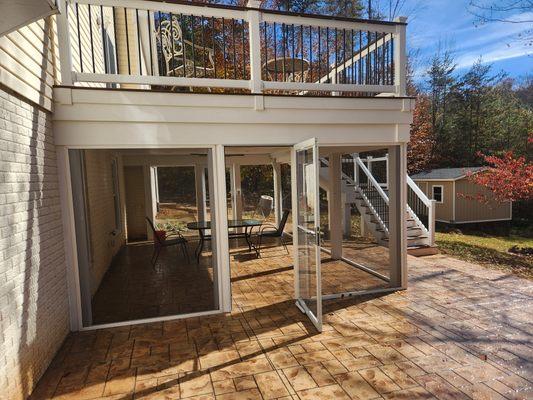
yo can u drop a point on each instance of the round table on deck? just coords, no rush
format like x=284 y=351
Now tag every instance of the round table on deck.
x=291 y=69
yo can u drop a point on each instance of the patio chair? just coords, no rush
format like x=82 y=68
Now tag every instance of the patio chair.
x=272 y=231
x=159 y=243
x=183 y=58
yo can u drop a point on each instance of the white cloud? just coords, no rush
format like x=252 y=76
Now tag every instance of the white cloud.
x=452 y=26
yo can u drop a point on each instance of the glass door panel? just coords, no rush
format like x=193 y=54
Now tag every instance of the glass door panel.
x=307 y=232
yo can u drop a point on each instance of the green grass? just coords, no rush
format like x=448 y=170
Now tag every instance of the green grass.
x=489 y=250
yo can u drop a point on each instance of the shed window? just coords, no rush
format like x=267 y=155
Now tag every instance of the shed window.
x=438 y=194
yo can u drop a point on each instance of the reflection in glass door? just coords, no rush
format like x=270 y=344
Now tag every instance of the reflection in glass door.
x=307 y=232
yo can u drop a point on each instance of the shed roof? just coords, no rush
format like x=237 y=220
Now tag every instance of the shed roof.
x=445 y=174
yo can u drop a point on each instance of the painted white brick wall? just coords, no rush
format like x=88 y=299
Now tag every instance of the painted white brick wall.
x=104 y=246
x=33 y=289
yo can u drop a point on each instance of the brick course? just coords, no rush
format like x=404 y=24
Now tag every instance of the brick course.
x=33 y=288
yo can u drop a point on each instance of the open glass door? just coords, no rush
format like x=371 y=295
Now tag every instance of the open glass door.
x=306 y=217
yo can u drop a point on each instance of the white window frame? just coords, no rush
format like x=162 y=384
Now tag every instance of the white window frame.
x=441 y=193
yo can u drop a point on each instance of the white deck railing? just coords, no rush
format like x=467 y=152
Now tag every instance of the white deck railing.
x=180 y=44
x=374 y=195
x=420 y=206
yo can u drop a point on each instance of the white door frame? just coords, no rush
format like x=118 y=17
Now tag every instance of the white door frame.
x=398 y=255
x=72 y=271
x=308 y=144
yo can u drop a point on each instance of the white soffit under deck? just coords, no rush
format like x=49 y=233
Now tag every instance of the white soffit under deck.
x=15 y=14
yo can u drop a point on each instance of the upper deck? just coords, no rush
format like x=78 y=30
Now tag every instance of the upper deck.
x=184 y=46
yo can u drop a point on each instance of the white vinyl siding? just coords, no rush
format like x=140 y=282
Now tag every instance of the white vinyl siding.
x=27 y=62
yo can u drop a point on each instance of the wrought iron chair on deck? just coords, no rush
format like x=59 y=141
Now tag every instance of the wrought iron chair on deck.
x=183 y=58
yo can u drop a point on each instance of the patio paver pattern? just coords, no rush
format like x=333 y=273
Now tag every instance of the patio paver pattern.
x=460 y=331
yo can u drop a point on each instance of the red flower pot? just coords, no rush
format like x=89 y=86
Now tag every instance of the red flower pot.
x=161 y=236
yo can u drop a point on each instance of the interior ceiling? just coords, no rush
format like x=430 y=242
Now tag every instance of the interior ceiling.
x=327 y=150
x=230 y=151
x=163 y=152
x=238 y=151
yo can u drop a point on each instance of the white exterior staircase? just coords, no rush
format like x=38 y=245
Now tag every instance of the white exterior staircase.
x=372 y=202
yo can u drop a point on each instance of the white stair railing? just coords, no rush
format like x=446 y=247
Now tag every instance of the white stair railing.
x=375 y=197
x=419 y=205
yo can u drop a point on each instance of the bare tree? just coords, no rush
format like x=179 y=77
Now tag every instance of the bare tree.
x=506 y=11
x=390 y=9
x=509 y=11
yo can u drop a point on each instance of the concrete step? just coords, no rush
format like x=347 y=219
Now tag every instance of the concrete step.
x=410 y=222
x=413 y=241
x=411 y=232
x=422 y=251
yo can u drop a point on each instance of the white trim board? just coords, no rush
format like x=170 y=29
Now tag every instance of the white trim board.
x=149 y=320
x=103 y=118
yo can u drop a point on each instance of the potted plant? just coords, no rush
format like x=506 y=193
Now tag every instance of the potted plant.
x=161 y=233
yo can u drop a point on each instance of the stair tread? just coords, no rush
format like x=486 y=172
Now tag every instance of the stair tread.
x=411 y=238
x=408 y=229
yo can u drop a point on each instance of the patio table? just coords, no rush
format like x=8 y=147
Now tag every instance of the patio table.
x=291 y=69
x=247 y=224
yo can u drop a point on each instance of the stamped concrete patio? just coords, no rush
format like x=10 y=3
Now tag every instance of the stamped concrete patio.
x=460 y=331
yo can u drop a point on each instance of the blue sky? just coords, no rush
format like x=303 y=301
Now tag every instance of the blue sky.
x=449 y=23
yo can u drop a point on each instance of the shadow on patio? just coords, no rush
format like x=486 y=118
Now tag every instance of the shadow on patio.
x=401 y=345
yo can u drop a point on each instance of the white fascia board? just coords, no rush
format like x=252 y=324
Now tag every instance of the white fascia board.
x=107 y=118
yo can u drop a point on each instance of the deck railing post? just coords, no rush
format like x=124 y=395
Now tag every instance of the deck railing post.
x=431 y=222
x=400 y=57
x=355 y=168
x=254 y=20
x=278 y=195
x=387 y=170
x=63 y=37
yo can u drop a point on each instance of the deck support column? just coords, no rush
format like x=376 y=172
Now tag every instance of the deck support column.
x=219 y=219
x=335 y=205
x=347 y=214
x=150 y=198
x=156 y=187
x=236 y=191
x=397 y=215
x=199 y=174
x=278 y=195
x=364 y=228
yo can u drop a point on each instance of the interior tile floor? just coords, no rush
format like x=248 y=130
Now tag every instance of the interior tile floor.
x=133 y=289
x=458 y=332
